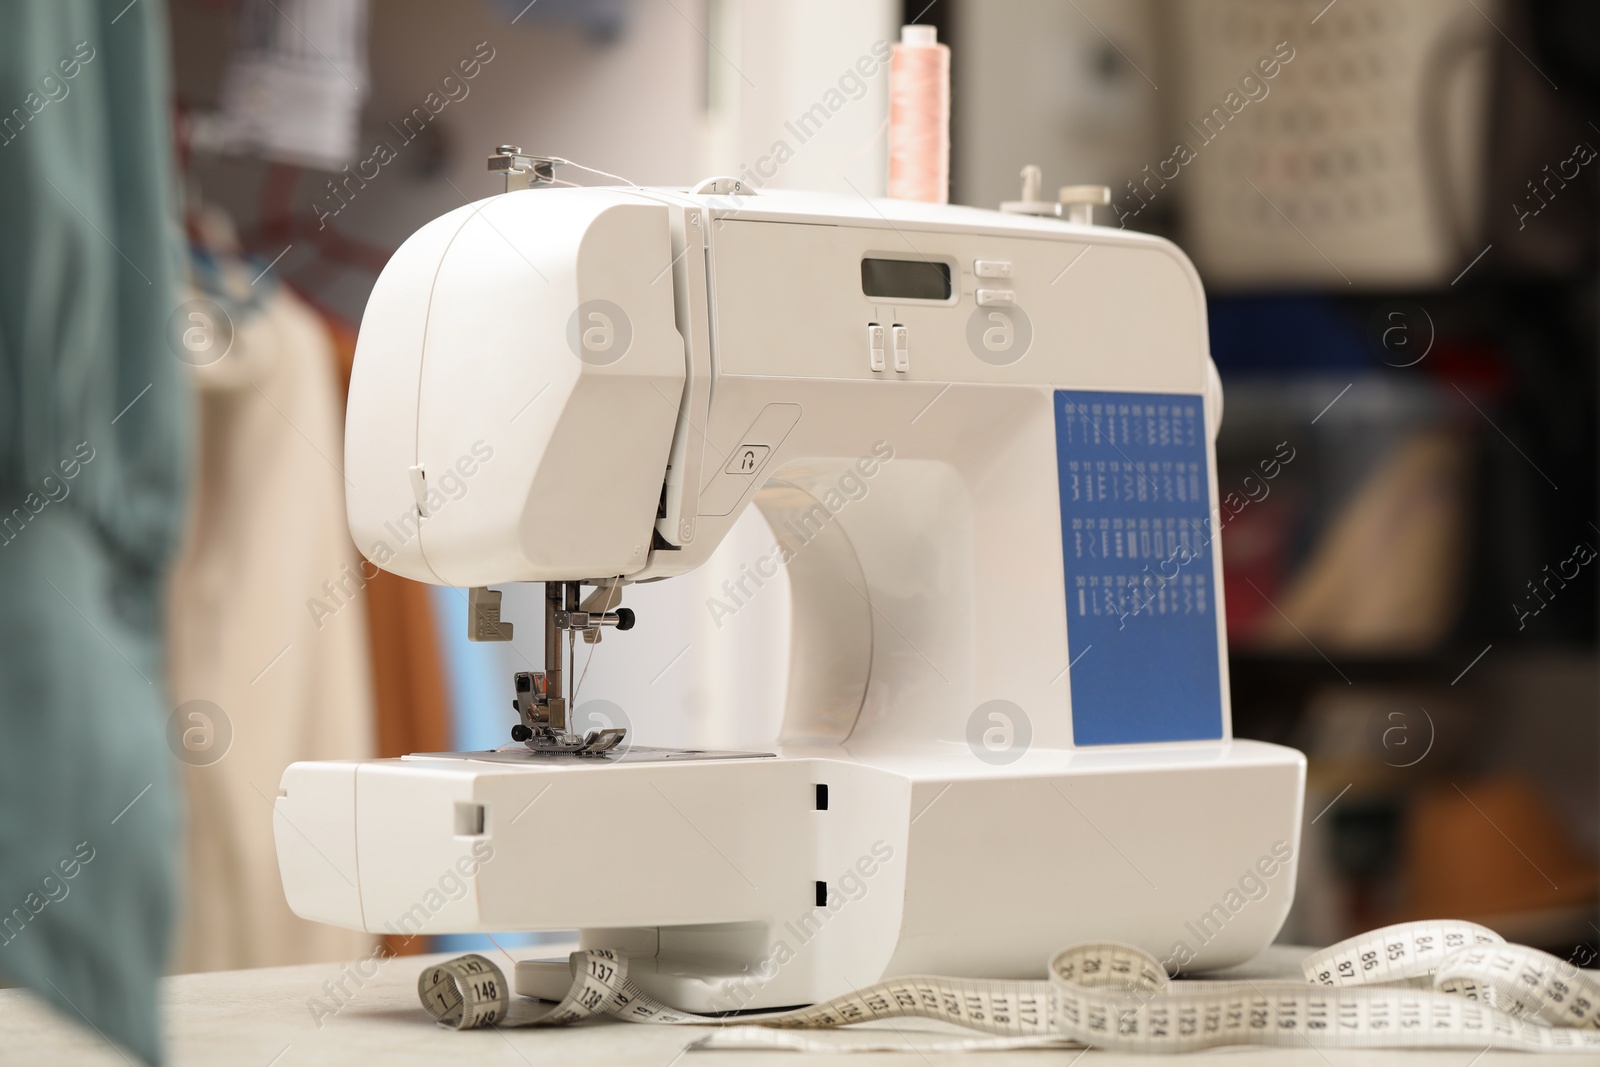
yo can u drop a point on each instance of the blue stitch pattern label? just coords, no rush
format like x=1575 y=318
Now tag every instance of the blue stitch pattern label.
x=1136 y=537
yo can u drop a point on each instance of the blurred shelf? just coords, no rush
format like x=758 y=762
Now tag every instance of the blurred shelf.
x=1452 y=659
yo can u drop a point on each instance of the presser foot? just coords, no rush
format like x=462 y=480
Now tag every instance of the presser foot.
x=543 y=722
x=559 y=742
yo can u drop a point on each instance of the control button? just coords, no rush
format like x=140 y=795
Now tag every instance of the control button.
x=992 y=298
x=731 y=486
x=900 y=337
x=875 y=346
x=991 y=268
x=747 y=459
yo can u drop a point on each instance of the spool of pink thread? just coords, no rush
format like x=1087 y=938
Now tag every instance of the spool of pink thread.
x=919 y=117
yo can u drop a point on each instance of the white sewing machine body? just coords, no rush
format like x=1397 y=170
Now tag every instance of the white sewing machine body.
x=960 y=514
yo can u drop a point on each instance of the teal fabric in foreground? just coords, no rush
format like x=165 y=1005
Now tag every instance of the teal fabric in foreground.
x=93 y=439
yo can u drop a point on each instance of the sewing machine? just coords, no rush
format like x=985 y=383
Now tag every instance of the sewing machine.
x=983 y=443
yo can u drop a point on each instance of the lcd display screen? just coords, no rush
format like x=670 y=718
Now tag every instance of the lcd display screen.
x=905 y=279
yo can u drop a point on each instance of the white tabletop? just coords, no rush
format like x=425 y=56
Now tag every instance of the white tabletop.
x=265 y=1018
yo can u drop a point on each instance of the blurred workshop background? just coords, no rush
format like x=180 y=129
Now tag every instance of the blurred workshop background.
x=1393 y=207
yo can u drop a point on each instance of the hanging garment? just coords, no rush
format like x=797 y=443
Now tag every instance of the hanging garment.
x=295 y=82
x=267 y=619
x=93 y=442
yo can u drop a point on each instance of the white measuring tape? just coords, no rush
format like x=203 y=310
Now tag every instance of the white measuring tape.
x=1416 y=985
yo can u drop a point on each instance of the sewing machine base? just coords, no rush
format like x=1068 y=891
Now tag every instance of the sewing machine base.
x=522 y=756
x=764 y=889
